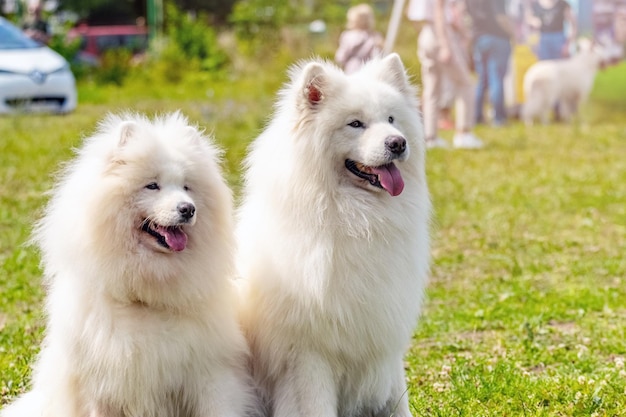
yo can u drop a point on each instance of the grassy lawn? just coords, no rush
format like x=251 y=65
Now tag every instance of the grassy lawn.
x=526 y=307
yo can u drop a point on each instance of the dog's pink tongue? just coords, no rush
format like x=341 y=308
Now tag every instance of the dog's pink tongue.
x=390 y=178
x=175 y=237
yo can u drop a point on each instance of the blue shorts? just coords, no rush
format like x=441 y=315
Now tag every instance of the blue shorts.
x=551 y=45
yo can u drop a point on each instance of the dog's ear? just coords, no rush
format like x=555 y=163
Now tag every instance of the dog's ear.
x=392 y=71
x=187 y=130
x=193 y=134
x=314 y=82
x=127 y=130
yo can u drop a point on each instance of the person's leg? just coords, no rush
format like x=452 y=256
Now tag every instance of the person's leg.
x=446 y=101
x=497 y=67
x=480 y=67
x=542 y=48
x=460 y=74
x=427 y=50
x=464 y=105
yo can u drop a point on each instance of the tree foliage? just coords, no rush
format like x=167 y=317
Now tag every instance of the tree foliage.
x=126 y=11
x=106 y=11
x=252 y=18
x=217 y=9
x=194 y=37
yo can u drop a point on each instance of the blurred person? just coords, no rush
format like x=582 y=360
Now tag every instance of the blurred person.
x=493 y=30
x=441 y=54
x=456 y=12
x=550 y=17
x=35 y=26
x=360 y=42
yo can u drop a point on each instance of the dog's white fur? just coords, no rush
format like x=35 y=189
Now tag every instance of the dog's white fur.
x=565 y=83
x=134 y=328
x=334 y=268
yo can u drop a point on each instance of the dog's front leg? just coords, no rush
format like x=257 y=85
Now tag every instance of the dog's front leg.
x=306 y=389
x=228 y=393
x=398 y=404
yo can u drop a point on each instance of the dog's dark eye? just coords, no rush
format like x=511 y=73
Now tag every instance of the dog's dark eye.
x=391 y=119
x=356 y=124
x=152 y=186
x=186 y=188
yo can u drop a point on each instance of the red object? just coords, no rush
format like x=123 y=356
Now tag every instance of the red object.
x=97 y=39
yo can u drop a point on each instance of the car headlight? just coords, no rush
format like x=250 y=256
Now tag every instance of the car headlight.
x=64 y=68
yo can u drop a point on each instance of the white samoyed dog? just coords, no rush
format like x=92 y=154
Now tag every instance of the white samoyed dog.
x=138 y=249
x=565 y=83
x=333 y=233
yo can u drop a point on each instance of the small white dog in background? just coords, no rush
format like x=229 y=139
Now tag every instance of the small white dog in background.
x=563 y=83
x=137 y=247
x=334 y=242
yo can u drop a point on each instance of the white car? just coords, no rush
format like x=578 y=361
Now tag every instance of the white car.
x=33 y=77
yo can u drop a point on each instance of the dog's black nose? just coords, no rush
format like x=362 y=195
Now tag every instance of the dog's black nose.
x=186 y=210
x=396 y=144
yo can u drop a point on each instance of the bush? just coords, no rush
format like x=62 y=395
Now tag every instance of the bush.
x=170 y=63
x=115 y=65
x=69 y=49
x=258 y=24
x=194 y=38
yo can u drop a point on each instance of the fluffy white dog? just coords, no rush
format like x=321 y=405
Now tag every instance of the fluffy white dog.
x=565 y=83
x=334 y=242
x=137 y=246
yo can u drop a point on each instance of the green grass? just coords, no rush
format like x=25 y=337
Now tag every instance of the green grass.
x=527 y=297
x=526 y=307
